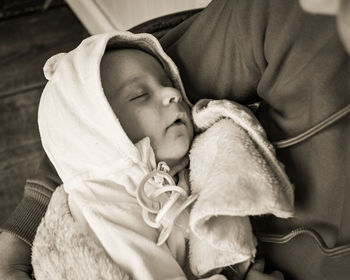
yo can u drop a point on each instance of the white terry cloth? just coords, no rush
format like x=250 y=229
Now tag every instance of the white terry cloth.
x=235 y=171
x=98 y=164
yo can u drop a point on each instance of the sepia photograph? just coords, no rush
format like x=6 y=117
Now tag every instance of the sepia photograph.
x=175 y=139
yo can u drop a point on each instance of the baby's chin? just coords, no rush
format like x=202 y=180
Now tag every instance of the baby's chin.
x=173 y=161
x=174 y=151
x=177 y=164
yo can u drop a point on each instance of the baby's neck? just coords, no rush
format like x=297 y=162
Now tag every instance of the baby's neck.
x=178 y=165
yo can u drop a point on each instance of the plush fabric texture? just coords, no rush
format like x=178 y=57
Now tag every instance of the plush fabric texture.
x=63 y=251
x=234 y=170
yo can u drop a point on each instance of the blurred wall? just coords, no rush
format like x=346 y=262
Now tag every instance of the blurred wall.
x=29 y=35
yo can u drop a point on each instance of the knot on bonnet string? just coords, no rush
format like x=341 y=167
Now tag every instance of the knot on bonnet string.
x=164 y=205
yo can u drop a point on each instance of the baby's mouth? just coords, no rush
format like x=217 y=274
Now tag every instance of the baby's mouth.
x=177 y=122
x=180 y=120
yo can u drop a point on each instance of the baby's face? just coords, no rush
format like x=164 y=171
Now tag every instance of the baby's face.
x=146 y=103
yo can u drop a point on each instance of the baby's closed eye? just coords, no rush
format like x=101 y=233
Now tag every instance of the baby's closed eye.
x=139 y=96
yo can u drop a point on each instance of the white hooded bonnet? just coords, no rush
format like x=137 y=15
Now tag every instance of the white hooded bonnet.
x=99 y=165
x=79 y=131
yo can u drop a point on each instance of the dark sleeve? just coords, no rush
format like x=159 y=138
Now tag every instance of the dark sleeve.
x=220 y=55
x=296 y=65
x=271 y=50
x=26 y=218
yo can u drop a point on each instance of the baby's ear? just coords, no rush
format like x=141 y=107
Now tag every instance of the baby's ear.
x=51 y=65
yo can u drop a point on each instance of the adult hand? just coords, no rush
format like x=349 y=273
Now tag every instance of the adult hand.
x=14 y=258
x=256 y=272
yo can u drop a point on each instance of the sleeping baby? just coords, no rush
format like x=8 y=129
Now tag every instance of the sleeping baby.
x=153 y=187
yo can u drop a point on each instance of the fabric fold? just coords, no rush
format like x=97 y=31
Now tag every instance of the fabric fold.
x=237 y=176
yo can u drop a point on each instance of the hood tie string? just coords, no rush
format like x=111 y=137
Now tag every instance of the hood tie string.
x=165 y=203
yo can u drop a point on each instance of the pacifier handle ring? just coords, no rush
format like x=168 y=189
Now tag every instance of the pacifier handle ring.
x=169 y=188
x=164 y=234
x=166 y=231
x=192 y=198
x=141 y=196
x=148 y=221
x=140 y=192
x=163 y=211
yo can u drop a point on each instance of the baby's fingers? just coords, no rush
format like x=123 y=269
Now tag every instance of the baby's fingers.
x=259 y=265
x=256 y=272
x=276 y=275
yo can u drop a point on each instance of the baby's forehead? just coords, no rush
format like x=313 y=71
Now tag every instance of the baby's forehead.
x=129 y=52
x=121 y=66
x=131 y=61
x=116 y=58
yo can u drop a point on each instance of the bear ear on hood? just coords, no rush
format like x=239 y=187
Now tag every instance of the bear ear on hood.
x=51 y=65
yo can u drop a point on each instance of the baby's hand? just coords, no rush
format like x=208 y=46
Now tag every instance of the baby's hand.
x=256 y=272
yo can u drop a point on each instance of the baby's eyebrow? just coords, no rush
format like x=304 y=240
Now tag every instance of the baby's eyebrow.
x=129 y=82
x=129 y=87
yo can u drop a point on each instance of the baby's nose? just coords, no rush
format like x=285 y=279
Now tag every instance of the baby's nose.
x=171 y=95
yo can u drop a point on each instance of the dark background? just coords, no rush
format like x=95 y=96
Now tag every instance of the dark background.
x=29 y=35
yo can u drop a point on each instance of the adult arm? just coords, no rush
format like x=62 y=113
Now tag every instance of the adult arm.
x=339 y=8
x=19 y=230
x=37 y=193
x=15 y=258
x=296 y=64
